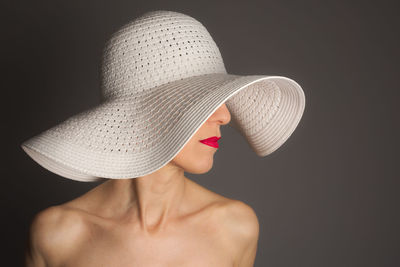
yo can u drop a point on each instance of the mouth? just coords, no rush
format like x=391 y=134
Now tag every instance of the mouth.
x=212 y=141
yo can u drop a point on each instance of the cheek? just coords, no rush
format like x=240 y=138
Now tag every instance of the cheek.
x=199 y=150
x=195 y=157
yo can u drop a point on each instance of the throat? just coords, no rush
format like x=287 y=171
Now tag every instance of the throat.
x=154 y=222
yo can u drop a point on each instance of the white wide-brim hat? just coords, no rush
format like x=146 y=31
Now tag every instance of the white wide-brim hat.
x=162 y=77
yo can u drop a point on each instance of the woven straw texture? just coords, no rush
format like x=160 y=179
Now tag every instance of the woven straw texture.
x=162 y=77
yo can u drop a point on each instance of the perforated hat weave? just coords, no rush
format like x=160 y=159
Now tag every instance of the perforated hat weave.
x=162 y=77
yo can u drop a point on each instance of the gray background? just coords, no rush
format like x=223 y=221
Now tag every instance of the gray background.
x=328 y=197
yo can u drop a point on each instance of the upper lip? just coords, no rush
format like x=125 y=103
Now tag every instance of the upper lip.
x=212 y=139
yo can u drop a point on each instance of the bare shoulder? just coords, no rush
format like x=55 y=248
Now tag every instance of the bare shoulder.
x=242 y=226
x=234 y=221
x=240 y=218
x=235 y=215
x=53 y=232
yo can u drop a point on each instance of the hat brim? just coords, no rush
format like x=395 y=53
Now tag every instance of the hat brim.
x=264 y=109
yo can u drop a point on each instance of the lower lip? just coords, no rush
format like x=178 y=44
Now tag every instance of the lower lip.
x=209 y=143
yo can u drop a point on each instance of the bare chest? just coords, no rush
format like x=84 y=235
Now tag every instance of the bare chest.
x=181 y=246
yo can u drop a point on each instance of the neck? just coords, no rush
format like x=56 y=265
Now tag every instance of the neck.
x=151 y=199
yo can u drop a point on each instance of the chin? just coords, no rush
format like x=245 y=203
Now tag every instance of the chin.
x=199 y=167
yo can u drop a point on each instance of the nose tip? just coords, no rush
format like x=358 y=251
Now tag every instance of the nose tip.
x=225 y=115
x=221 y=116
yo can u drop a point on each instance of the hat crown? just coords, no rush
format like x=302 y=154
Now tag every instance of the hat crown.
x=157 y=48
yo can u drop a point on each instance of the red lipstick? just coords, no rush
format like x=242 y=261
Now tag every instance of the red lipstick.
x=212 y=141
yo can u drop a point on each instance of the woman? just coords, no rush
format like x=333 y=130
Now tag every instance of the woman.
x=159 y=219
x=165 y=95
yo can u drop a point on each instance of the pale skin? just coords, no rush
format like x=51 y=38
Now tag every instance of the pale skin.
x=161 y=219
